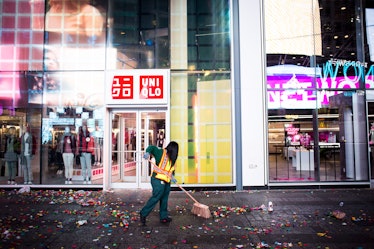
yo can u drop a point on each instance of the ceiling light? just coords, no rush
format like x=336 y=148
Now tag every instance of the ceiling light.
x=336 y=37
x=346 y=36
x=343 y=8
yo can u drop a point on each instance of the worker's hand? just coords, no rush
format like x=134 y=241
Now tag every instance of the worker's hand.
x=146 y=156
x=173 y=180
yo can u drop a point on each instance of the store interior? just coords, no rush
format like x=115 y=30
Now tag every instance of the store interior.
x=300 y=152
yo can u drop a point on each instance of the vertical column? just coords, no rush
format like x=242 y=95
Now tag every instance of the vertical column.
x=252 y=87
x=178 y=34
x=360 y=137
x=178 y=81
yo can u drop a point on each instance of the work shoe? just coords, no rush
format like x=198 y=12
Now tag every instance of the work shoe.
x=143 y=220
x=166 y=220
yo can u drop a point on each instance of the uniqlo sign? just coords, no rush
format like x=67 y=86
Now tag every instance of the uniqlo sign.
x=123 y=87
x=137 y=86
x=151 y=87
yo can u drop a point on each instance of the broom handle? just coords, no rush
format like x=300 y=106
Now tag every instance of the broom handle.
x=154 y=165
x=187 y=193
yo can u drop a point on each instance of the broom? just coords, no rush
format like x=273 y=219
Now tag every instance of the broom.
x=198 y=209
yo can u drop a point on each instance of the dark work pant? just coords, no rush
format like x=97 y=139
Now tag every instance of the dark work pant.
x=160 y=193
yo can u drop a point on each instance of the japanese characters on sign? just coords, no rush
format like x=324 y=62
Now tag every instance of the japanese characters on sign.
x=123 y=87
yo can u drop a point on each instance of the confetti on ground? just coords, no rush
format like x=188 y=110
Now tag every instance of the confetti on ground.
x=44 y=214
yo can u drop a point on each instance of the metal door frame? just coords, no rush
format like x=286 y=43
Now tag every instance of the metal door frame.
x=141 y=164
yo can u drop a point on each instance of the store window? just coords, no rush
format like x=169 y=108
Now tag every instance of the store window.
x=20 y=53
x=52 y=80
x=53 y=60
x=317 y=70
x=71 y=94
x=201 y=109
x=138 y=34
x=370 y=108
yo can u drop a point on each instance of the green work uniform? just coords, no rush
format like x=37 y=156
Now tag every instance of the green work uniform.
x=160 y=189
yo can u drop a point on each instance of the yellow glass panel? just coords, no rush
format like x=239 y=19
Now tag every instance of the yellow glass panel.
x=224 y=116
x=224 y=165
x=223 y=131
x=205 y=115
x=224 y=149
x=223 y=98
x=225 y=179
x=205 y=99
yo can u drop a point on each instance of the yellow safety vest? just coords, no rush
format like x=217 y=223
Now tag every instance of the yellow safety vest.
x=164 y=170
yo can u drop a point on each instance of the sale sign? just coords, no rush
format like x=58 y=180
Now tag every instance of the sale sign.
x=137 y=87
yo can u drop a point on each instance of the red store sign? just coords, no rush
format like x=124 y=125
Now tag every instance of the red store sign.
x=137 y=86
x=151 y=87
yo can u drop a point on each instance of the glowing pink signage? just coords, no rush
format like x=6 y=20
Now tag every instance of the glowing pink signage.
x=298 y=90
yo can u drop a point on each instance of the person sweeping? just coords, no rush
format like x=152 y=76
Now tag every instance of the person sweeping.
x=162 y=175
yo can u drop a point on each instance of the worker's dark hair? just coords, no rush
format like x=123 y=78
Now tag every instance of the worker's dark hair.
x=172 y=151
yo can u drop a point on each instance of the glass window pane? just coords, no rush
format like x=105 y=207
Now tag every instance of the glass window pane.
x=311 y=65
x=22 y=35
x=209 y=35
x=139 y=34
x=201 y=115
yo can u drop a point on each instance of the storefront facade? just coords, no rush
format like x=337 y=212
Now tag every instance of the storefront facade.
x=250 y=101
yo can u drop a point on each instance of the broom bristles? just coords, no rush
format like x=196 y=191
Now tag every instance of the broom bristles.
x=201 y=210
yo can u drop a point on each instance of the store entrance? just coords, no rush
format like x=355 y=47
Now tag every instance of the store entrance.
x=370 y=115
x=132 y=132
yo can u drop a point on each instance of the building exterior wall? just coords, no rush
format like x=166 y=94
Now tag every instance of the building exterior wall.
x=262 y=93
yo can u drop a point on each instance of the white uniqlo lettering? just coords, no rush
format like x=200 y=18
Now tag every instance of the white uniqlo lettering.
x=151 y=92
x=151 y=87
x=152 y=82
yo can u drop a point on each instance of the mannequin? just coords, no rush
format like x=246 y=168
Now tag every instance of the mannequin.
x=98 y=146
x=11 y=155
x=161 y=140
x=371 y=134
x=85 y=156
x=27 y=151
x=68 y=148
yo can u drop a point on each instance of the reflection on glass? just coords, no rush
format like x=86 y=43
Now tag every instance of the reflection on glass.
x=74 y=23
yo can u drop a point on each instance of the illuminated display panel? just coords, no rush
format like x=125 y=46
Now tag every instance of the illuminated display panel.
x=295 y=87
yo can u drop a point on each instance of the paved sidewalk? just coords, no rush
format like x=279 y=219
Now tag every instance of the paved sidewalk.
x=97 y=219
